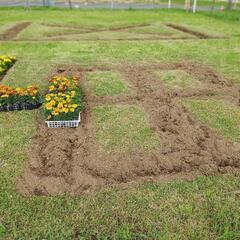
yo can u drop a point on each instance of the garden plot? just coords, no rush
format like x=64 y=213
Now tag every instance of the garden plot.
x=52 y=32
x=124 y=140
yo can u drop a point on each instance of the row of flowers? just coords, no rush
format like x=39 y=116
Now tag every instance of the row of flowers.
x=16 y=98
x=19 y=98
x=63 y=100
x=5 y=63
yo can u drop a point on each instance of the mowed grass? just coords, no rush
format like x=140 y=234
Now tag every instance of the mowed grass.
x=178 y=79
x=124 y=129
x=43 y=31
x=221 y=116
x=106 y=83
x=40 y=31
x=204 y=209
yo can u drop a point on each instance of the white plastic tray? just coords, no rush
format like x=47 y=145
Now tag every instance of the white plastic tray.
x=64 y=124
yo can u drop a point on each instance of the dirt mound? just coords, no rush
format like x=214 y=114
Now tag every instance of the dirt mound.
x=70 y=160
x=13 y=31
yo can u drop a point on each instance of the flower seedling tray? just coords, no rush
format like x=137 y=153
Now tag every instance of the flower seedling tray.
x=64 y=124
x=19 y=107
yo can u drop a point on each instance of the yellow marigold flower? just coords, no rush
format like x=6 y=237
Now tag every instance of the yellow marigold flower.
x=72 y=109
x=54 y=113
x=5 y=96
x=51 y=88
x=53 y=102
x=74 y=105
x=48 y=106
x=65 y=110
x=47 y=98
x=60 y=105
x=73 y=93
x=49 y=117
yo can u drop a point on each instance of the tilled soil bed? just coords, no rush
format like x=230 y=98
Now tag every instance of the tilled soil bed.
x=71 y=160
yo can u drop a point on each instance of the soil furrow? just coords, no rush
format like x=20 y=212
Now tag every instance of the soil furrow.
x=12 y=32
x=192 y=32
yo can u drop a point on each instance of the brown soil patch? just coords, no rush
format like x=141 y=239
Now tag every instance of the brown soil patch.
x=70 y=160
x=187 y=30
x=13 y=31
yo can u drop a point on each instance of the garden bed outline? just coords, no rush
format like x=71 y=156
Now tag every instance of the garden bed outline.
x=71 y=161
x=12 y=32
x=183 y=29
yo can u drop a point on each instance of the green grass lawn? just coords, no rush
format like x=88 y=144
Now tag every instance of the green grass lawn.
x=178 y=79
x=106 y=83
x=124 y=129
x=206 y=208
